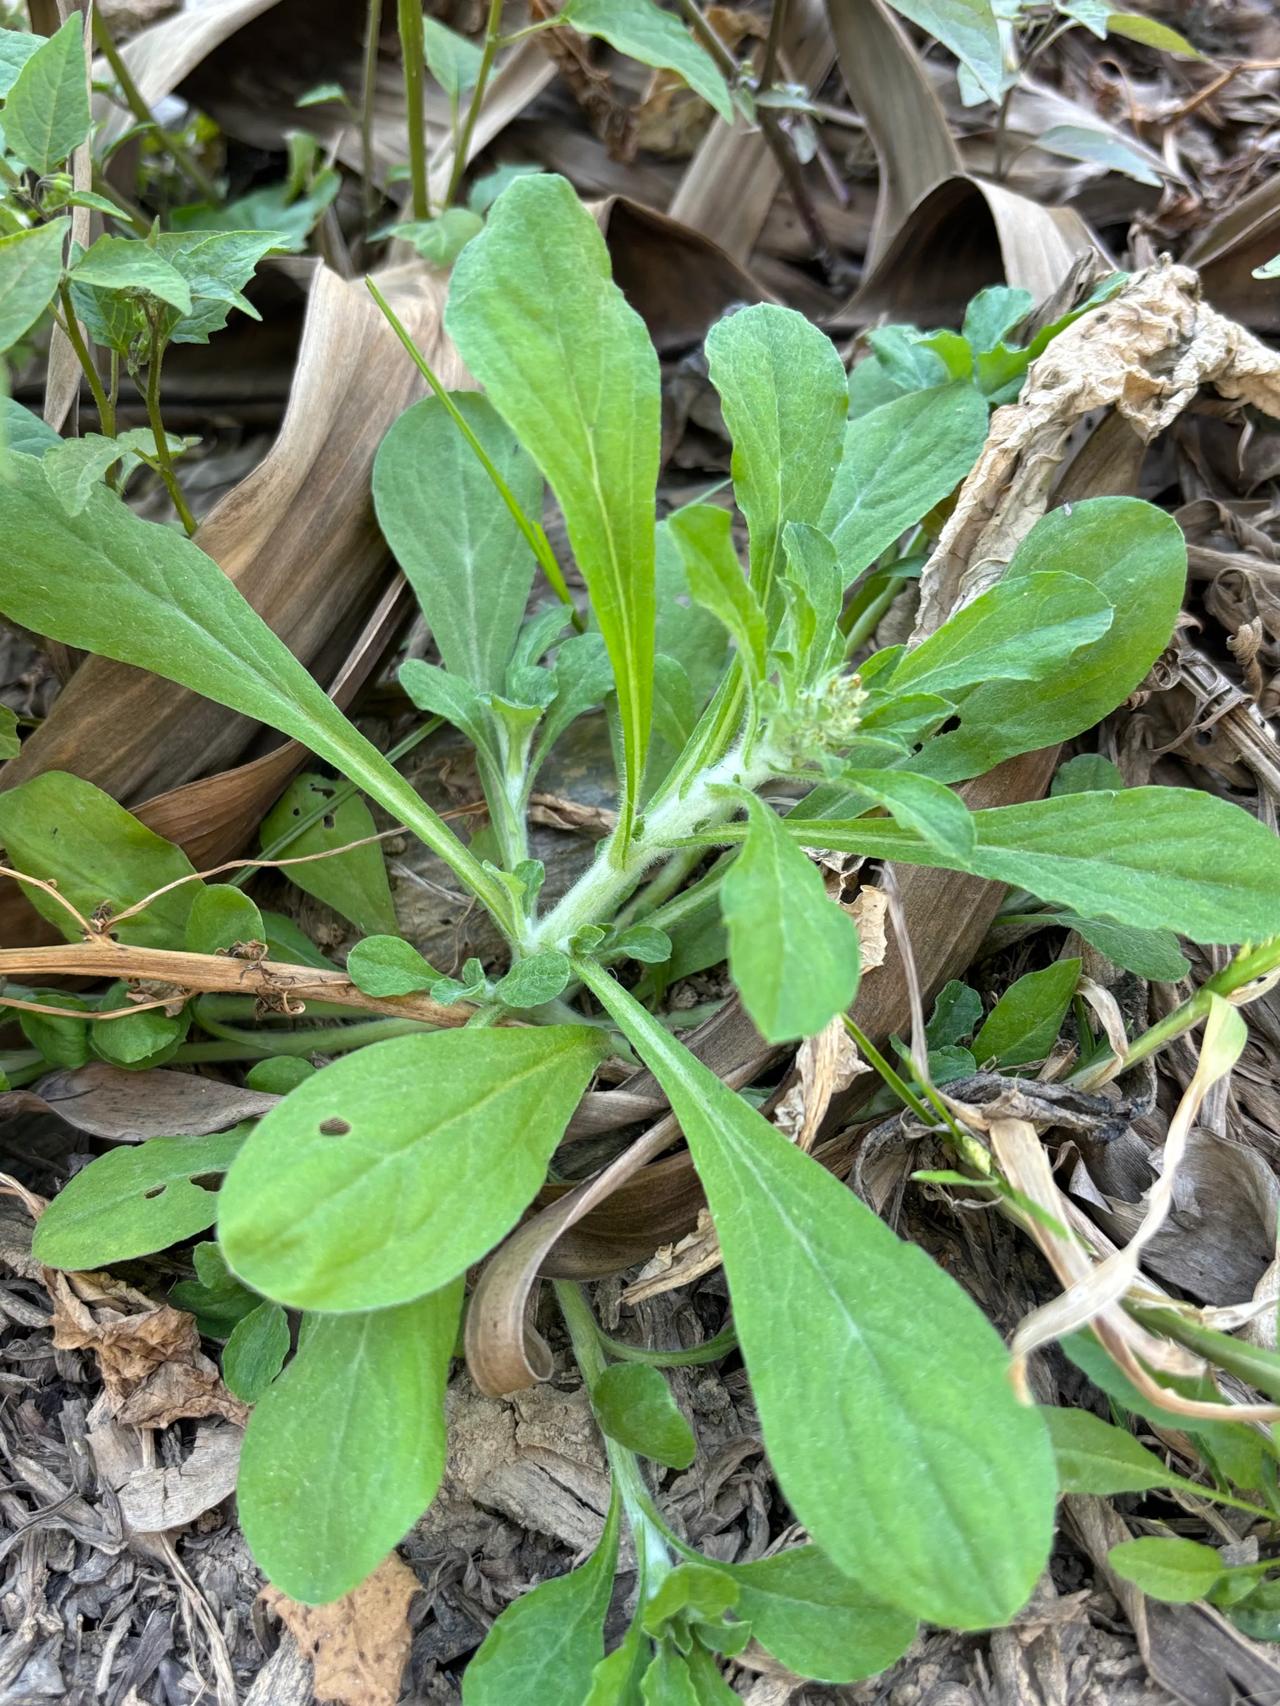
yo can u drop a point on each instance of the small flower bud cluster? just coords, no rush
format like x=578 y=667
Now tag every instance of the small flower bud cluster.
x=822 y=718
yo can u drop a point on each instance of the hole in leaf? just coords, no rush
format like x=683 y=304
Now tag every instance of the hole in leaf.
x=334 y=1128
x=328 y=820
x=1204 y=737
x=297 y=811
x=208 y=1181
x=950 y=726
x=154 y=1192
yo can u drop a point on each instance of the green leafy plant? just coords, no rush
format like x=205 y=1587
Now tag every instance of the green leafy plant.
x=363 y=1198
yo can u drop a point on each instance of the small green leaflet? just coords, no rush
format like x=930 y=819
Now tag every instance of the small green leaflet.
x=643 y=31
x=793 y=953
x=345 y=1450
x=145 y=1038
x=785 y=398
x=534 y=980
x=453 y=61
x=30 y=267
x=1134 y=26
x=899 y=462
x=1136 y=558
x=135 y=1200
x=46 y=113
x=215 y=1297
x=969 y=29
x=388 y=965
x=1086 y=773
x=462 y=552
x=955 y=1015
x=144 y=595
x=278 y=1073
x=635 y=1406
x=441 y=240
x=220 y=917
x=22 y=430
x=1155 y=858
x=894 y=1432
x=1176 y=1571
x=360 y=1190
x=1102 y=148
x=1024 y=628
x=61 y=1040
x=704 y=534
x=1268 y=269
x=255 y=1351
x=547 y=1643
x=1151 y=953
x=76 y=465
x=1095 y=1457
x=817 y=1622
x=354 y=882
x=58 y=827
x=1024 y=1024
x=580 y=387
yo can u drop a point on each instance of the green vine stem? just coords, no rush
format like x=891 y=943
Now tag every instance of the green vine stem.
x=71 y=326
x=142 y=112
x=409 y=21
x=492 y=36
x=163 y=457
x=368 y=85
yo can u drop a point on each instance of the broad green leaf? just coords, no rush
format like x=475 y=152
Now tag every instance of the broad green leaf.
x=63 y=829
x=1156 y=858
x=1151 y=953
x=667 y=1682
x=362 y=1190
x=61 y=1040
x=441 y=240
x=785 y=396
x=30 y=267
x=255 y=1351
x=891 y=1426
x=1134 y=26
x=221 y=917
x=698 y=1592
x=932 y=810
x=1024 y=1024
x=531 y=981
x=817 y=1622
x=46 y=112
x=1023 y=629
x=216 y=265
x=1095 y=1457
x=453 y=61
x=388 y=965
x=345 y=1450
x=76 y=466
x=1101 y=148
x=135 y=1200
x=16 y=48
x=143 y=594
x=126 y=263
x=615 y=1681
x=899 y=462
x=354 y=882
x=548 y=1642
x=569 y=366
x=793 y=953
x=969 y=29
x=22 y=430
x=643 y=31
x=634 y=1405
x=145 y=1038
x=466 y=559
x=1177 y=1571
x=704 y=534
x=1135 y=556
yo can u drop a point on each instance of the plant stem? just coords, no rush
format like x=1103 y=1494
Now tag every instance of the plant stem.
x=368 y=86
x=726 y=1340
x=709 y=39
x=777 y=22
x=142 y=112
x=106 y=414
x=409 y=20
x=158 y=433
x=492 y=36
x=327 y=1039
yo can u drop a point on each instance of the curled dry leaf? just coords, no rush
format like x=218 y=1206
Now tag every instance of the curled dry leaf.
x=869 y=910
x=149 y=1355
x=360 y=1643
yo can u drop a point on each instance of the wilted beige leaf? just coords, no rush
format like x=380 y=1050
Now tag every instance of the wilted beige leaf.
x=360 y=1643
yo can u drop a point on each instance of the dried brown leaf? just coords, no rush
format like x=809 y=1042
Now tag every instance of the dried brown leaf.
x=129 y=1107
x=359 y=1644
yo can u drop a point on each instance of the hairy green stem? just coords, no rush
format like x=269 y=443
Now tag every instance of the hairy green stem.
x=325 y=1039
x=409 y=20
x=106 y=414
x=368 y=85
x=492 y=36
x=726 y=1340
x=157 y=429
